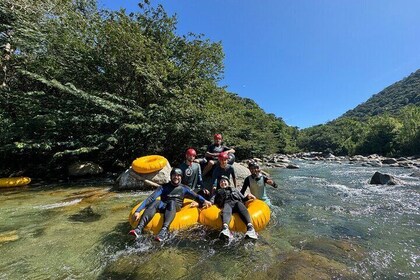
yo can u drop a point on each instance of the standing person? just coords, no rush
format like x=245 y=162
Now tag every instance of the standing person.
x=171 y=200
x=230 y=200
x=213 y=152
x=222 y=169
x=257 y=183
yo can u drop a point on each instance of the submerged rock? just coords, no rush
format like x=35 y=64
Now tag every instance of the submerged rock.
x=85 y=215
x=307 y=265
x=416 y=173
x=8 y=236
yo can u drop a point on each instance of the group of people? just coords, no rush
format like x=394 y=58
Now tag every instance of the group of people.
x=187 y=181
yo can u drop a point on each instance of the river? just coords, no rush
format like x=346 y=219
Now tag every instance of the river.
x=327 y=223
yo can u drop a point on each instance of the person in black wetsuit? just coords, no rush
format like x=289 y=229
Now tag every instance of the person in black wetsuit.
x=171 y=199
x=213 y=152
x=230 y=200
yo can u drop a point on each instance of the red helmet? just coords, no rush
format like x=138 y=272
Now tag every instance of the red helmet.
x=191 y=152
x=223 y=155
x=217 y=136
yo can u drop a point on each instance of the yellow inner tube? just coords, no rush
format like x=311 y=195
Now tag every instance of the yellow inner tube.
x=258 y=210
x=149 y=164
x=14 y=182
x=186 y=217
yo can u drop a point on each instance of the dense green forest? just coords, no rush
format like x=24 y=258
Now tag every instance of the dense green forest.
x=79 y=83
x=386 y=124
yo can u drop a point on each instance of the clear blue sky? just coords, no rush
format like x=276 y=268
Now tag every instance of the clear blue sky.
x=306 y=61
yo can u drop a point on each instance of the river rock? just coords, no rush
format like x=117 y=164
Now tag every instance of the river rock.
x=84 y=168
x=86 y=215
x=241 y=171
x=389 y=161
x=131 y=180
x=308 y=265
x=292 y=166
x=383 y=179
x=416 y=173
x=160 y=177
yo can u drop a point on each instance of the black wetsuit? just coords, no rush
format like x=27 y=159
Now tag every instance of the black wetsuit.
x=171 y=200
x=230 y=200
x=218 y=171
x=213 y=148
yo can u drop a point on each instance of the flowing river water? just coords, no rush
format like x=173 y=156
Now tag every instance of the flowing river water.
x=327 y=223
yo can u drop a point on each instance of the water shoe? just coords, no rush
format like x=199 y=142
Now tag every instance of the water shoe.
x=162 y=235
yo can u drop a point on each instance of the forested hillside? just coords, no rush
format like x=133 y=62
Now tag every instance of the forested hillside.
x=390 y=100
x=388 y=124
x=83 y=84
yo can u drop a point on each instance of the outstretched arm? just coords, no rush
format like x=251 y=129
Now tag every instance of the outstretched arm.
x=150 y=199
x=270 y=182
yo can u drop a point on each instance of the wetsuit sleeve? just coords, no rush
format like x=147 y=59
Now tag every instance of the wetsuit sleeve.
x=243 y=198
x=150 y=199
x=245 y=185
x=189 y=193
x=265 y=179
x=233 y=173
x=274 y=185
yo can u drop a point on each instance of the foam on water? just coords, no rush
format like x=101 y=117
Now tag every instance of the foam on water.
x=58 y=205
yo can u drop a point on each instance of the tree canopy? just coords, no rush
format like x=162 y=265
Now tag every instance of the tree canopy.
x=83 y=83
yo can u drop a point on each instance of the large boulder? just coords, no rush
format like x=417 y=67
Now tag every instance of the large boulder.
x=128 y=180
x=131 y=180
x=241 y=171
x=389 y=161
x=383 y=179
x=160 y=177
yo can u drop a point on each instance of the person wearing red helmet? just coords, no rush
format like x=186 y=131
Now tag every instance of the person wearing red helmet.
x=222 y=169
x=213 y=152
x=191 y=172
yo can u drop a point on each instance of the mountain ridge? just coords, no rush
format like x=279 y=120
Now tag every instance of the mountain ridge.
x=390 y=100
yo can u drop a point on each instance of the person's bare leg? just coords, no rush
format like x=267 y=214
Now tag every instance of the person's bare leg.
x=208 y=167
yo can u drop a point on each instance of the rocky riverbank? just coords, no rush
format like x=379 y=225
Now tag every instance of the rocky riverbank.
x=289 y=161
x=132 y=180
